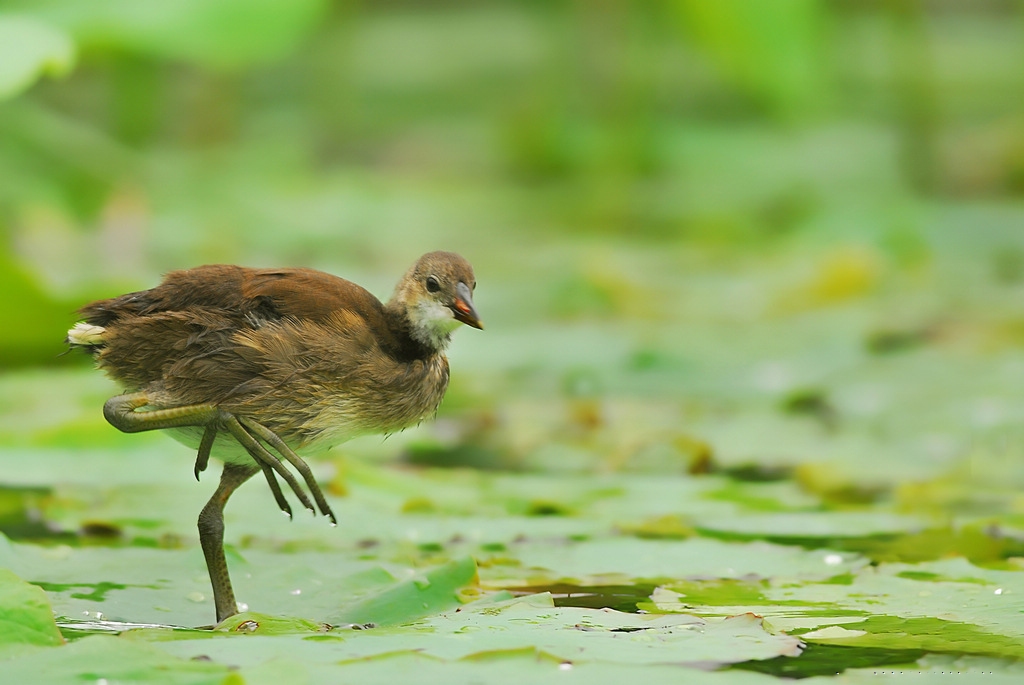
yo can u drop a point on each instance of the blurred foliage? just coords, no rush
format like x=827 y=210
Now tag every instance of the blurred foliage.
x=772 y=50
x=318 y=133
x=29 y=48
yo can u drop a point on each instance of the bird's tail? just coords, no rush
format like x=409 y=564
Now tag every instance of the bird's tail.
x=86 y=335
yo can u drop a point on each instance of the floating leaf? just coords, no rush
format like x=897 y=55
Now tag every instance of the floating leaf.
x=527 y=625
x=102 y=658
x=25 y=617
x=433 y=591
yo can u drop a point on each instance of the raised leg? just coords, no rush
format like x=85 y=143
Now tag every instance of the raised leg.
x=122 y=413
x=211 y=537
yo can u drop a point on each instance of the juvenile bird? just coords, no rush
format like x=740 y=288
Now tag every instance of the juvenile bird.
x=252 y=365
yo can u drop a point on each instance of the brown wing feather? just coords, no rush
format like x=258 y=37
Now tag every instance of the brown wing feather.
x=241 y=293
x=140 y=349
x=190 y=318
x=308 y=294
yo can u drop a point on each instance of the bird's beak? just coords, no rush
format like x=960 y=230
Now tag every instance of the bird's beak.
x=463 y=307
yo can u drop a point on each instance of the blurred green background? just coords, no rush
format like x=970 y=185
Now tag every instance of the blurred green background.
x=773 y=248
x=709 y=210
x=559 y=145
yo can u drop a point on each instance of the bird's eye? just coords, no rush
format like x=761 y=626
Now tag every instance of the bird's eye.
x=432 y=285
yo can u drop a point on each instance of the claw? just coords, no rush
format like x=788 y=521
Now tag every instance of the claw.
x=203 y=457
x=263 y=457
x=295 y=460
x=275 y=488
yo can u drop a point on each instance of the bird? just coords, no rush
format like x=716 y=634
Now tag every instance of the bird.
x=253 y=365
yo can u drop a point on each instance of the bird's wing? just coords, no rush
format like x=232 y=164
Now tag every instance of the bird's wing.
x=188 y=324
x=241 y=294
x=306 y=295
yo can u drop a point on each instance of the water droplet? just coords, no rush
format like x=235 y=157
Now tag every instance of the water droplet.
x=833 y=559
x=999 y=591
x=102 y=681
x=565 y=666
x=196 y=597
x=296 y=591
x=242 y=606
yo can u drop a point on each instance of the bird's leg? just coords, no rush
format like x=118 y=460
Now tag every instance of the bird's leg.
x=295 y=460
x=203 y=458
x=120 y=412
x=211 y=537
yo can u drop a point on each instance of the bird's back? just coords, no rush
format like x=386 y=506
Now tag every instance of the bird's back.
x=240 y=293
x=193 y=317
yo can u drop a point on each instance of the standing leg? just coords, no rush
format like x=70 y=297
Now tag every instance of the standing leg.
x=211 y=537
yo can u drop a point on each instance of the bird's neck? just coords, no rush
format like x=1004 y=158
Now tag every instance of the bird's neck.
x=420 y=331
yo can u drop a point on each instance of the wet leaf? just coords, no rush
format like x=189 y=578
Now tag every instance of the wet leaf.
x=432 y=592
x=26 y=619
x=530 y=625
x=101 y=657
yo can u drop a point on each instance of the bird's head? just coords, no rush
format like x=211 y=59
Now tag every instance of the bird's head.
x=436 y=295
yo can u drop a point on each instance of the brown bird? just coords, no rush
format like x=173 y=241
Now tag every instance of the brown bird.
x=241 y=363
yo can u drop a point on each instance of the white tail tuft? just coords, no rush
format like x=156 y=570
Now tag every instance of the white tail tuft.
x=86 y=334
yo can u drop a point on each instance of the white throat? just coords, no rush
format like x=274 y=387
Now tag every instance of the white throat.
x=432 y=323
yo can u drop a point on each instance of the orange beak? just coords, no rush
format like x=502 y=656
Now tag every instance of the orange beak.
x=463 y=307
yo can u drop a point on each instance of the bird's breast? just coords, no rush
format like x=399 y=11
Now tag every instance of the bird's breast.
x=381 y=398
x=315 y=383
